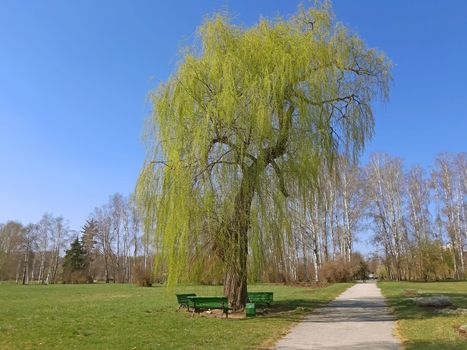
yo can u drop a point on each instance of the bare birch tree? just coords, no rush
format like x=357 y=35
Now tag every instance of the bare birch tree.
x=449 y=178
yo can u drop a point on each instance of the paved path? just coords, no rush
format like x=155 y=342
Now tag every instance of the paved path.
x=357 y=319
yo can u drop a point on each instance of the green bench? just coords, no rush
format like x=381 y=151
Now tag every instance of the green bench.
x=183 y=300
x=260 y=298
x=209 y=303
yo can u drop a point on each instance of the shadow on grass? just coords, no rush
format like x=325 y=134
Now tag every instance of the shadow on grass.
x=291 y=310
x=436 y=345
x=292 y=304
x=415 y=345
x=354 y=310
x=380 y=345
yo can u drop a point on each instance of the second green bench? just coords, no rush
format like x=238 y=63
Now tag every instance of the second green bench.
x=260 y=298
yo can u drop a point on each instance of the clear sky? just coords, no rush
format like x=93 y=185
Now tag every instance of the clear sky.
x=74 y=79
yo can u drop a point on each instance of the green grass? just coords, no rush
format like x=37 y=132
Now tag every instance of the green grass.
x=118 y=316
x=421 y=327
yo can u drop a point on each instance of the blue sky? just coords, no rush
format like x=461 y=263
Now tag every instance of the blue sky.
x=74 y=79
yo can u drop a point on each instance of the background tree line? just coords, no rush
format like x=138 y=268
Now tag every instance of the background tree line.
x=110 y=247
x=417 y=220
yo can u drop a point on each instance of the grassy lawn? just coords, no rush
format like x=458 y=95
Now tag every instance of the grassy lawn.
x=119 y=316
x=423 y=328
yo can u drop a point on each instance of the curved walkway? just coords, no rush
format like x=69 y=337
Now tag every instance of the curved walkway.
x=356 y=319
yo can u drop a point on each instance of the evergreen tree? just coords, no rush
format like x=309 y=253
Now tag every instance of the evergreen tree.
x=74 y=263
x=88 y=241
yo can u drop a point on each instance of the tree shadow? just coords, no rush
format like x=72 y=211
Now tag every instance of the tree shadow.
x=355 y=310
x=436 y=345
x=380 y=345
x=290 y=309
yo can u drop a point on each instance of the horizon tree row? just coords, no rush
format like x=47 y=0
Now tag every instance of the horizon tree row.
x=114 y=247
x=417 y=220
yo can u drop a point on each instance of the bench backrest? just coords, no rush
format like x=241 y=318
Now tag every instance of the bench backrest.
x=183 y=298
x=260 y=297
x=209 y=302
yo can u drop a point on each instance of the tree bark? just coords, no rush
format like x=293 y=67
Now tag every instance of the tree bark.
x=235 y=283
x=25 y=279
x=235 y=249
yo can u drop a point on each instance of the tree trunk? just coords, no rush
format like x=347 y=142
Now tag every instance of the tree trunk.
x=235 y=285
x=305 y=257
x=26 y=267
x=47 y=279
x=235 y=249
x=41 y=269
x=33 y=268
x=55 y=266
x=235 y=281
x=106 y=267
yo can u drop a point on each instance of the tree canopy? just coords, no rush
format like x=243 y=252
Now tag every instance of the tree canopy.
x=243 y=126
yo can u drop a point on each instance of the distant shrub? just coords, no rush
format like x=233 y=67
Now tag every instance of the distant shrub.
x=434 y=301
x=143 y=277
x=341 y=270
x=336 y=271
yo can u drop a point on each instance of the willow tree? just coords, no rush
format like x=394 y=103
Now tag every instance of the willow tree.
x=249 y=115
